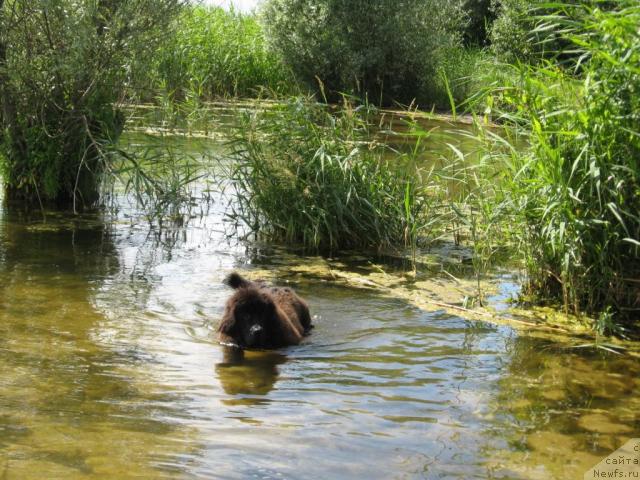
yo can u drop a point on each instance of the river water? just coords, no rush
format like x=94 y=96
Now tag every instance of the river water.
x=109 y=368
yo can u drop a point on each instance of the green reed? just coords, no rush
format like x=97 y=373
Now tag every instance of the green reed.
x=216 y=53
x=163 y=181
x=574 y=189
x=311 y=174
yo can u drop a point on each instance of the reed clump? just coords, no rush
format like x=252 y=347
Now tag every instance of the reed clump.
x=575 y=189
x=313 y=175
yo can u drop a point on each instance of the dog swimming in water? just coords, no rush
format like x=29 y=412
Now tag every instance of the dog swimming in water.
x=260 y=316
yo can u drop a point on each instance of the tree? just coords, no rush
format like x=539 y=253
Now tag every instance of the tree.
x=64 y=69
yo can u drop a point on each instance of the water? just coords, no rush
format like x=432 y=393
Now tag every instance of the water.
x=109 y=369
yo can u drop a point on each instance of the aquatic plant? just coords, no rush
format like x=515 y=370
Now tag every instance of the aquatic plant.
x=310 y=174
x=575 y=188
x=165 y=182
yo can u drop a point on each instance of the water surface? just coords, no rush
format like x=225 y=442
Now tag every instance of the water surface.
x=109 y=369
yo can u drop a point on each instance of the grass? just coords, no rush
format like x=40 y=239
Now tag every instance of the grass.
x=162 y=180
x=315 y=175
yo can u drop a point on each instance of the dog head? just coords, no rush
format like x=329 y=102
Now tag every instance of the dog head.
x=249 y=318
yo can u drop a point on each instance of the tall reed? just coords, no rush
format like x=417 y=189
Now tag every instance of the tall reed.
x=217 y=53
x=310 y=174
x=576 y=189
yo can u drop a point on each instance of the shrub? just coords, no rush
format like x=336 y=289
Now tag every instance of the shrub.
x=510 y=30
x=64 y=66
x=480 y=16
x=379 y=50
x=525 y=31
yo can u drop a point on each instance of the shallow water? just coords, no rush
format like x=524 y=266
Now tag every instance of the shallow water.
x=109 y=369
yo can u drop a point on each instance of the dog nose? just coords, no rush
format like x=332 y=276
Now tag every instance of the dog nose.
x=255 y=329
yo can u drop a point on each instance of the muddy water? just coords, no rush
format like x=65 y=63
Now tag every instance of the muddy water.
x=109 y=369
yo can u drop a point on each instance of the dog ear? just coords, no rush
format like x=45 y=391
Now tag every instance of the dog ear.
x=235 y=280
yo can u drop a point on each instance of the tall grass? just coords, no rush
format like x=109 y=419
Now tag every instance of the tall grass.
x=575 y=188
x=217 y=53
x=312 y=175
x=458 y=77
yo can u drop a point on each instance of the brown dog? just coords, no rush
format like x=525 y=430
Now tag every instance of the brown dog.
x=259 y=316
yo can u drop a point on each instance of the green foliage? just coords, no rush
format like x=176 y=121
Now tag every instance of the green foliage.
x=510 y=31
x=526 y=30
x=576 y=187
x=161 y=178
x=480 y=16
x=308 y=175
x=381 y=50
x=64 y=66
x=462 y=71
x=216 y=53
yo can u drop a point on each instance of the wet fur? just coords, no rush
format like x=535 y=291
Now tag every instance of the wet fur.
x=278 y=314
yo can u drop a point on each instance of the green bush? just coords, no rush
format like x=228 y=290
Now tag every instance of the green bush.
x=216 y=53
x=576 y=187
x=462 y=71
x=378 y=50
x=310 y=176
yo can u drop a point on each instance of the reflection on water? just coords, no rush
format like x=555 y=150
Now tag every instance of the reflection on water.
x=109 y=369
x=247 y=376
x=70 y=406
